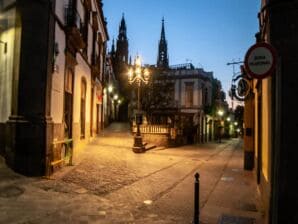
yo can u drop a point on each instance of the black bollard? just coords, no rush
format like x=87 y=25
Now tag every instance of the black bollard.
x=197 y=199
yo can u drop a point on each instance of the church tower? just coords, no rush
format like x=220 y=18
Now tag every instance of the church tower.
x=120 y=62
x=122 y=43
x=162 y=59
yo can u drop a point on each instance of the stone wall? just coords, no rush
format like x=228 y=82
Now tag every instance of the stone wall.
x=156 y=139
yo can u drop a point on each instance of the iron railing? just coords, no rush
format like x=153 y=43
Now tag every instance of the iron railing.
x=153 y=129
x=72 y=18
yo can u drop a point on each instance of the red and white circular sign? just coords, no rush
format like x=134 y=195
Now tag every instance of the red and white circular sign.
x=260 y=60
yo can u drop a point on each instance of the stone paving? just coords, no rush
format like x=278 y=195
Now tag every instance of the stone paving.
x=111 y=184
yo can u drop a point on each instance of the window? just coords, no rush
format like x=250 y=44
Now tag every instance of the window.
x=189 y=94
x=68 y=82
x=205 y=101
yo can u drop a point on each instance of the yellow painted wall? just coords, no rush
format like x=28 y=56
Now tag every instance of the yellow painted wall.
x=256 y=118
x=266 y=127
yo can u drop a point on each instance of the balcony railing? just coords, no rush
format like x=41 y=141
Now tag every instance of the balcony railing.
x=72 y=17
x=74 y=25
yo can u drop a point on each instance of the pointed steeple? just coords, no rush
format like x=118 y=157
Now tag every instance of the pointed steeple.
x=122 y=28
x=162 y=59
x=122 y=43
x=113 y=50
x=129 y=60
x=163 y=35
x=113 y=47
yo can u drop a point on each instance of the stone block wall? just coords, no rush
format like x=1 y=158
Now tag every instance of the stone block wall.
x=156 y=139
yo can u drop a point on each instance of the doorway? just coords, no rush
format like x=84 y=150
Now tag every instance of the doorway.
x=68 y=104
x=83 y=107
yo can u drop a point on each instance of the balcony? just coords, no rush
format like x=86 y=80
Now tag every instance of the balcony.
x=74 y=27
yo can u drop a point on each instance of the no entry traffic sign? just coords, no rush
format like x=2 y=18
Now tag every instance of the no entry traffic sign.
x=260 y=60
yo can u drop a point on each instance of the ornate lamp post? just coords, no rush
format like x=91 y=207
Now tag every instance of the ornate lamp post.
x=138 y=75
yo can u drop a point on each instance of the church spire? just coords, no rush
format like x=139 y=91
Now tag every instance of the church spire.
x=163 y=35
x=113 y=50
x=122 y=43
x=122 y=29
x=163 y=60
x=113 y=47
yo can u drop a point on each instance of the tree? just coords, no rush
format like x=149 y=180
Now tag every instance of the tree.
x=158 y=95
x=218 y=98
x=238 y=113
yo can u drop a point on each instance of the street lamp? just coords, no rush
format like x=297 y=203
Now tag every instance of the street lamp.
x=138 y=75
x=237 y=130
x=220 y=114
x=110 y=88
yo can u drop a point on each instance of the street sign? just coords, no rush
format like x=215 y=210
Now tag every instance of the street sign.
x=260 y=60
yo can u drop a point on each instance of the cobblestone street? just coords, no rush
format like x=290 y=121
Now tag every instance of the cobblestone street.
x=111 y=184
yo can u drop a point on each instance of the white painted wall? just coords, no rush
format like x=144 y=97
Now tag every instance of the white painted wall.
x=197 y=93
x=9 y=64
x=57 y=97
x=81 y=70
x=60 y=9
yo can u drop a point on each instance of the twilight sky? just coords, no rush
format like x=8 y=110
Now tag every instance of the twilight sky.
x=207 y=33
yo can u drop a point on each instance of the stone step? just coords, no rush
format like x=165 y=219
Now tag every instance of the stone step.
x=159 y=148
x=149 y=146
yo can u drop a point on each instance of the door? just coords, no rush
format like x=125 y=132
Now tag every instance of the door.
x=83 y=107
x=68 y=104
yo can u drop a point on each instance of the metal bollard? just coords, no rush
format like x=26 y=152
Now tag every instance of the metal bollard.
x=197 y=199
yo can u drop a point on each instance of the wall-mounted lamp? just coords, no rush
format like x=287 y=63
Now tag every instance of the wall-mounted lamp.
x=5 y=46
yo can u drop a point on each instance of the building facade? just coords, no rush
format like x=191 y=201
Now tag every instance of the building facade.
x=53 y=81
x=192 y=95
x=180 y=96
x=271 y=116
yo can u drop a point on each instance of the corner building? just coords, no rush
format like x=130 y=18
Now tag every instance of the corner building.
x=53 y=52
x=275 y=119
